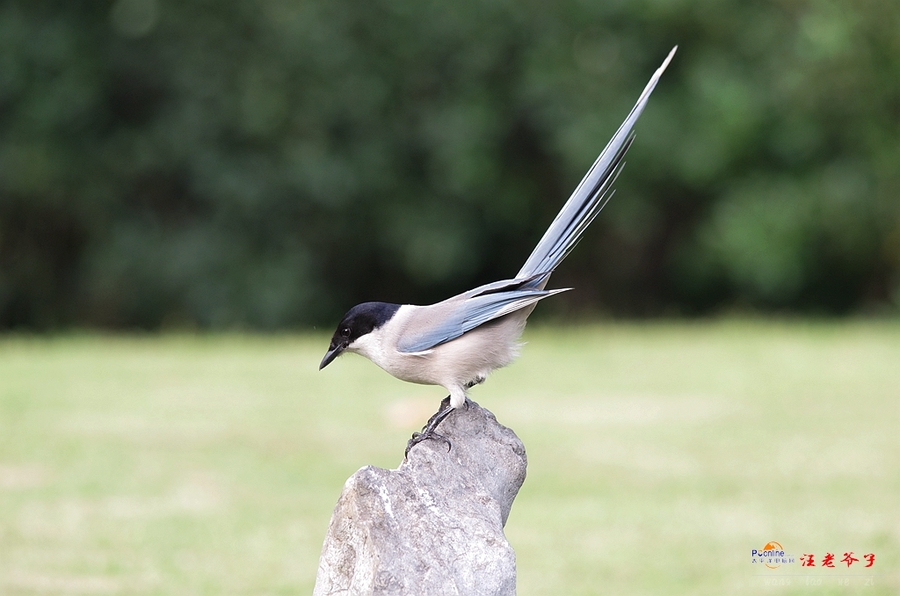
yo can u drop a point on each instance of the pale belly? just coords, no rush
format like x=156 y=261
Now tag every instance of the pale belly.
x=469 y=358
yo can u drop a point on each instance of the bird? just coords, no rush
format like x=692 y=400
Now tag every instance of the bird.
x=458 y=342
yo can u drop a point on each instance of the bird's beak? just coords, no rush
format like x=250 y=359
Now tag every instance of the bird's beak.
x=331 y=354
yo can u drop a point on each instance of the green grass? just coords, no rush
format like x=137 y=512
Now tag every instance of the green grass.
x=659 y=456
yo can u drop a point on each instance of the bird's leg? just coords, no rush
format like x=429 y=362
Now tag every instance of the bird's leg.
x=428 y=431
x=476 y=381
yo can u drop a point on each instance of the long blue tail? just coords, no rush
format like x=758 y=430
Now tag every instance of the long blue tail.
x=590 y=196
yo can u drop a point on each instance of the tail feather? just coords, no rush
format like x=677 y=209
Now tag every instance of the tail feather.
x=591 y=194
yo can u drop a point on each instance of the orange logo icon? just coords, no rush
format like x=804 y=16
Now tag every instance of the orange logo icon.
x=772 y=555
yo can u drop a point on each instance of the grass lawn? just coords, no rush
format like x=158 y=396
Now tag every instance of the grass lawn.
x=659 y=454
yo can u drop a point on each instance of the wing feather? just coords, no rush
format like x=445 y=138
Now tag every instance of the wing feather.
x=591 y=194
x=445 y=321
x=470 y=313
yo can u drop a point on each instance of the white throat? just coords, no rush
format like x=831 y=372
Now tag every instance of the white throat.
x=370 y=345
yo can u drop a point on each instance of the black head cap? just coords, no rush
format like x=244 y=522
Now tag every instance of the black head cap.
x=360 y=320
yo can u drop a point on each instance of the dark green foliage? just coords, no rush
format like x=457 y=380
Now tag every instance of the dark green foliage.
x=271 y=163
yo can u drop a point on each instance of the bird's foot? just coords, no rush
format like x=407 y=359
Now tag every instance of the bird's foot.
x=428 y=431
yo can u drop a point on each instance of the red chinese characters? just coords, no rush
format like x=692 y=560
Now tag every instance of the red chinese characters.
x=828 y=560
x=809 y=560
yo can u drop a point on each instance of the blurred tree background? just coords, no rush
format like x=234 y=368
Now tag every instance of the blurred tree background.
x=269 y=163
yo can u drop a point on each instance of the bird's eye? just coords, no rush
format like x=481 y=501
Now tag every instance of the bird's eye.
x=345 y=331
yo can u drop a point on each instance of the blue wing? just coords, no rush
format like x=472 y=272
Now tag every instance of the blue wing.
x=452 y=318
x=473 y=311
